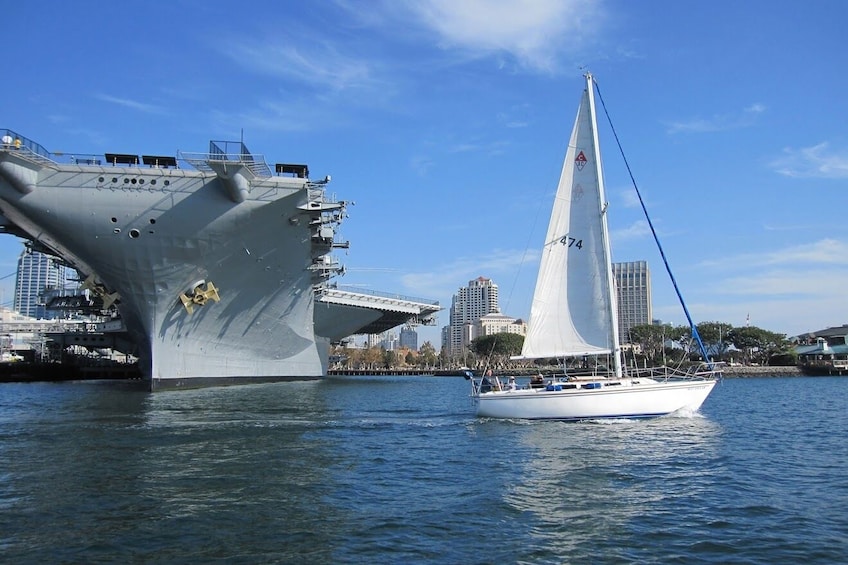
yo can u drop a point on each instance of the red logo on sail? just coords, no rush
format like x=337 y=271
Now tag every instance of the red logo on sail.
x=580 y=161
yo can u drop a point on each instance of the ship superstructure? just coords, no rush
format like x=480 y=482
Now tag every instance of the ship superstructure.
x=212 y=259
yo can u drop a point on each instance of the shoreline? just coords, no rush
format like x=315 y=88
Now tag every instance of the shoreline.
x=53 y=372
x=744 y=371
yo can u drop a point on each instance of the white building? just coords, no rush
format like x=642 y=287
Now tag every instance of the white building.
x=497 y=323
x=475 y=312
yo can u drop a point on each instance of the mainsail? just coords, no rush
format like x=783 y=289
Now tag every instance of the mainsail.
x=573 y=311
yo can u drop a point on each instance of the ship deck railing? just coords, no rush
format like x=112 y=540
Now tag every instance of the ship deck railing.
x=219 y=152
x=228 y=152
x=379 y=294
x=26 y=148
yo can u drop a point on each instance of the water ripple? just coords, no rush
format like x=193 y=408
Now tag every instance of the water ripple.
x=397 y=470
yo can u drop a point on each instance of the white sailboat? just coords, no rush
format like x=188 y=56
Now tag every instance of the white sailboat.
x=574 y=312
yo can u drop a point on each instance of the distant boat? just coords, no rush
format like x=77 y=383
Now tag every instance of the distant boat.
x=574 y=313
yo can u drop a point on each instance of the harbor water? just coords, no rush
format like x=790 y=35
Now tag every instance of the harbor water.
x=398 y=470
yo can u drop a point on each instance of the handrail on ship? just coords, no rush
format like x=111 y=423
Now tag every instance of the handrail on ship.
x=228 y=151
x=379 y=294
x=220 y=151
x=14 y=140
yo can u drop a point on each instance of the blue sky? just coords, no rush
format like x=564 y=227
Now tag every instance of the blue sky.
x=446 y=122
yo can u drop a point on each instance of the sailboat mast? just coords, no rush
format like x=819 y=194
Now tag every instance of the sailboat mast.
x=612 y=302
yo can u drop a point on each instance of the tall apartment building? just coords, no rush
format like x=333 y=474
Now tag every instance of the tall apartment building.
x=36 y=273
x=409 y=338
x=469 y=304
x=633 y=291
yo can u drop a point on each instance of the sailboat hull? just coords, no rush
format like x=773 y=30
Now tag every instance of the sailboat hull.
x=628 y=398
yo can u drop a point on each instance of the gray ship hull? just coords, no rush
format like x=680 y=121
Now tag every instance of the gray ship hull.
x=213 y=271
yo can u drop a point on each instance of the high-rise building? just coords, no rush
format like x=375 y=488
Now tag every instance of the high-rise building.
x=469 y=304
x=373 y=340
x=37 y=272
x=633 y=293
x=409 y=338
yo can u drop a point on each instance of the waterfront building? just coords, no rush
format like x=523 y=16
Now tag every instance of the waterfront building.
x=496 y=323
x=633 y=291
x=469 y=304
x=475 y=312
x=37 y=273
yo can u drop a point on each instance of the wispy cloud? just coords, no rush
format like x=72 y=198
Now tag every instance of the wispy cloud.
x=296 y=114
x=535 y=33
x=718 y=122
x=636 y=230
x=421 y=164
x=488 y=148
x=305 y=61
x=818 y=161
x=829 y=283
x=629 y=198
x=441 y=281
x=509 y=120
x=132 y=104
x=823 y=252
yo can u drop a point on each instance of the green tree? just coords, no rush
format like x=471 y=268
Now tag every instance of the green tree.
x=498 y=345
x=651 y=339
x=427 y=354
x=715 y=336
x=389 y=359
x=372 y=357
x=758 y=345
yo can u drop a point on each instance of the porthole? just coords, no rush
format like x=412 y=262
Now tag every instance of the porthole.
x=117 y=230
x=140 y=181
x=134 y=233
x=153 y=181
x=114 y=179
x=126 y=181
x=152 y=220
x=101 y=179
x=114 y=220
x=167 y=182
x=133 y=181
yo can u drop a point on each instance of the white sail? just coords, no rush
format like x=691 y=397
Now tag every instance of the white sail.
x=573 y=311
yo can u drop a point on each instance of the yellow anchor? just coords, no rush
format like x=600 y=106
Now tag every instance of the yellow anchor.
x=199 y=297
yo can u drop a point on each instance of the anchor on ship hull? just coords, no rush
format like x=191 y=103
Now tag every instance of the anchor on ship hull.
x=99 y=289
x=198 y=296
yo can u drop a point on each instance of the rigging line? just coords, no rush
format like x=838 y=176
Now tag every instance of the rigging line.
x=692 y=326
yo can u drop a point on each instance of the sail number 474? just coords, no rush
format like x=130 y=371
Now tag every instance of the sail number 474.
x=571 y=242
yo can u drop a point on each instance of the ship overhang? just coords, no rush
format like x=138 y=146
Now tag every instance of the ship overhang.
x=340 y=313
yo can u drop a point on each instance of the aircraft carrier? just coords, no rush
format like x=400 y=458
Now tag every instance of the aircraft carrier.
x=219 y=266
